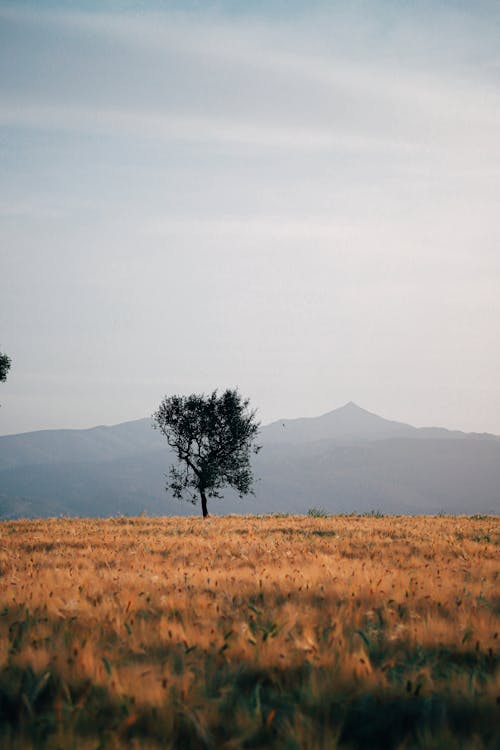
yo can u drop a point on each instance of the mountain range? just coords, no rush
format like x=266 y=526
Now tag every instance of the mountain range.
x=347 y=460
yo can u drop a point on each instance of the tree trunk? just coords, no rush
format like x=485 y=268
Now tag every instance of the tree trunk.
x=203 y=504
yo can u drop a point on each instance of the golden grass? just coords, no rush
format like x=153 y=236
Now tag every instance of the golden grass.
x=234 y=632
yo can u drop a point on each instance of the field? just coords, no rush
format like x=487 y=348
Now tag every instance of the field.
x=250 y=632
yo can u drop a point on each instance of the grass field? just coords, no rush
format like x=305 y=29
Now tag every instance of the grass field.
x=250 y=632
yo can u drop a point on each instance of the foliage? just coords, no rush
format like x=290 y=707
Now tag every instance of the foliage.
x=5 y=363
x=317 y=512
x=382 y=635
x=213 y=437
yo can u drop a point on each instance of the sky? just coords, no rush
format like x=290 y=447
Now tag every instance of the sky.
x=299 y=199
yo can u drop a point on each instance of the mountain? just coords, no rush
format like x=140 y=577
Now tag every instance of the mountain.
x=64 y=446
x=350 y=423
x=346 y=460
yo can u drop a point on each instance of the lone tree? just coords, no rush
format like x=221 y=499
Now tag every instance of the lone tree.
x=213 y=438
x=4 y=367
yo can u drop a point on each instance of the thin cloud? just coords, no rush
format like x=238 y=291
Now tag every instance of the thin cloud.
x=295 y=194
x=171 y=127
x=312 y=101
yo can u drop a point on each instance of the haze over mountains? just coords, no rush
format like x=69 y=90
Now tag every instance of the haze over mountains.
x=346 y=460
x=350 y=423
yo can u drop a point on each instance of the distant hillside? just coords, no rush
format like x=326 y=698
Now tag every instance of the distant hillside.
x=343 y=461
x=65 y=446
x=351 y=423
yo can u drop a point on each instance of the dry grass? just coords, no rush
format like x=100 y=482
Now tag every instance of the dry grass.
x=244 y=632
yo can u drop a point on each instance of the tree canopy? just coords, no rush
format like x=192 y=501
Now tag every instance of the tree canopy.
x=5 y=363
x=213 y=439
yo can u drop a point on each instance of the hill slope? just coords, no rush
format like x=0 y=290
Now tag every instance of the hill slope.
x=346 y=460
x=351 y=423
x=64 y=446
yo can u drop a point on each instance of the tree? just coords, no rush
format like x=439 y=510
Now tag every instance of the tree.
x=4 y=367
x=213 y=438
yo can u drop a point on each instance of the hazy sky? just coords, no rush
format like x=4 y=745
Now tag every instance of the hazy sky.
x=301 y=199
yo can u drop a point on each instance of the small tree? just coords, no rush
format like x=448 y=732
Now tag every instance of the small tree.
x=4 y=367
x=213 y=438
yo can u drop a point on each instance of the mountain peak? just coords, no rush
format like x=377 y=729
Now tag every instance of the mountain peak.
x=350 y=406
x=346 y=423
x=350 y=410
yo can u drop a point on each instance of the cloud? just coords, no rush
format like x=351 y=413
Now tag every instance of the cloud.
x=197 y=78
x=307 y=191
x=171 y=127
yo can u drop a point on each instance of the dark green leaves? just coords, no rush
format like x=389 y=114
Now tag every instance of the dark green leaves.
x=213 y=438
